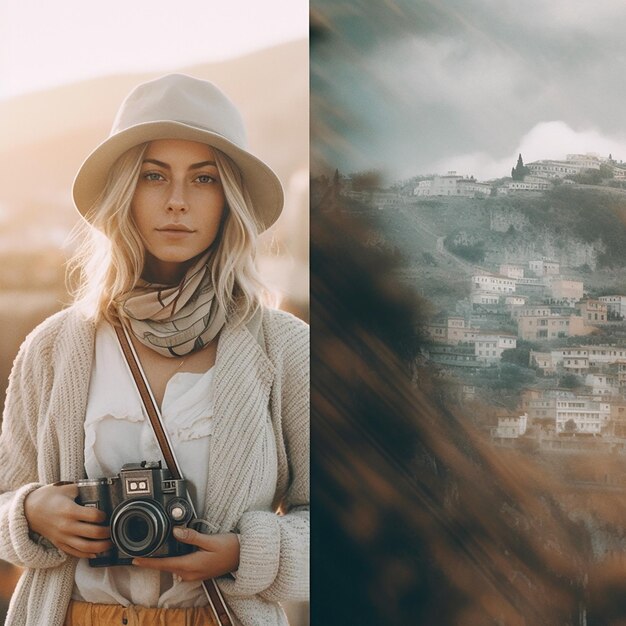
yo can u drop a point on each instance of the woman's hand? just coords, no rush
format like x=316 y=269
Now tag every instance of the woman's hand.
x=52 y=513
x=216 y=555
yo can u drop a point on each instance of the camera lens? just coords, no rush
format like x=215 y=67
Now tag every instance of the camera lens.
x=139 y=527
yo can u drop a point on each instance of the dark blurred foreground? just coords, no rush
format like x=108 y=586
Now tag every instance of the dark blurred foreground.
x=417 y=518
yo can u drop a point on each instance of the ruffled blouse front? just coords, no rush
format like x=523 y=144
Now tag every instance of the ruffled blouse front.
x=117 y=432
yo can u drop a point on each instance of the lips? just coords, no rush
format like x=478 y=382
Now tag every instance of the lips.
x=176 y=228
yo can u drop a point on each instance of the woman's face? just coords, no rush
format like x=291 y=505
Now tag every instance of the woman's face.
x=177 y=206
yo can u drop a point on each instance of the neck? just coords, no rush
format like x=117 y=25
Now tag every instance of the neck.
x=163 y=272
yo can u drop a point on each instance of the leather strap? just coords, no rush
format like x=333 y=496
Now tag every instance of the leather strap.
x=211 y=589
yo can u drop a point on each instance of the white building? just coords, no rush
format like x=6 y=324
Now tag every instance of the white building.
x=514 y=302
x=588 y=414
x=553 y=169
x=605 y=355
x=602 y=385
x=529 y=183
x=589 y=161
x=511 y=271
x=544 y=267
x=489 y=346
x=481 y=297
x=574 y=164
x=575 y=360
x=578 y=359
x=532 y=311
x=493 y=283
x=510 y=427
x=452 y=185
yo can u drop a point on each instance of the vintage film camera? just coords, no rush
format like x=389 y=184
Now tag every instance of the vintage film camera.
x=143 y=504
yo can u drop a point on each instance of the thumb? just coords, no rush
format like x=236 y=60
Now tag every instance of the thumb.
x=186 y=535
x=67 y=488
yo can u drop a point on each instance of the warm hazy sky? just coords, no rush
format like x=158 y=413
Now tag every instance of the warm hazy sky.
x=43 y=43
x=420 y=86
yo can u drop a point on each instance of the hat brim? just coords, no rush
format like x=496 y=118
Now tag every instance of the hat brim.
x=262 y=184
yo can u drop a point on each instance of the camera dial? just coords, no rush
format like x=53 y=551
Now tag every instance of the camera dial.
x=179 y=511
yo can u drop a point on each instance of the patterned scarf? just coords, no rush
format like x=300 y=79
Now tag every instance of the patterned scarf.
x=175 y=320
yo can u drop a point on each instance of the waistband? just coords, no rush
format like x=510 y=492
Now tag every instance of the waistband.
x=88 y=614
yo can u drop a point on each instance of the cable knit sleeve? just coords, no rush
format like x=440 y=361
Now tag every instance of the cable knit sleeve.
x=18 y=458
x=274 y=556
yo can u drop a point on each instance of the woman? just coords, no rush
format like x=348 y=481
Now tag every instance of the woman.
x=180 y=202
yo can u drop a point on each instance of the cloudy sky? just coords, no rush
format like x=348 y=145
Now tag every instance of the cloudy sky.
x=45 y=43
x=419 y=86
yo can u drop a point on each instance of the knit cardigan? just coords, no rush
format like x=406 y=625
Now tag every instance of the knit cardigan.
x=261 y=373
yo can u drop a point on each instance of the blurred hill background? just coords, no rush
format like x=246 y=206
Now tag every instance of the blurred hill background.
x=45 y=136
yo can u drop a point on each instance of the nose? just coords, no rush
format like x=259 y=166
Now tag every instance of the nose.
x=176 y=202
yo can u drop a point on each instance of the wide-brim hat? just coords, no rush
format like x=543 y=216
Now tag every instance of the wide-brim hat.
x=177 y=106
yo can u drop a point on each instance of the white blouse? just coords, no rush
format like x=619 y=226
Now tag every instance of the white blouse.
x=117 y=431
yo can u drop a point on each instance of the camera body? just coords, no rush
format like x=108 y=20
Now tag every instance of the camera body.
x=143 y=504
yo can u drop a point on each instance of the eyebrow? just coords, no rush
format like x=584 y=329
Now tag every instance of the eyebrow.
x=194 y=166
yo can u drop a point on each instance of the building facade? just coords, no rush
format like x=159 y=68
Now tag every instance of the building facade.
x=582 y=414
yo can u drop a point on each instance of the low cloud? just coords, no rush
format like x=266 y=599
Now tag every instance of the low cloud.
x=468 y=84
x=546 y=140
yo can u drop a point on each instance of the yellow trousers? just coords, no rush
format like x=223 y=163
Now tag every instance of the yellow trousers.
x=87 y=614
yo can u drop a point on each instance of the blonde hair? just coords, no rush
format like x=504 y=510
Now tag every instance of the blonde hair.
x=110 y=258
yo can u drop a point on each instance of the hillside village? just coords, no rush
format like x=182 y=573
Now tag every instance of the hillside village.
x=528 y=335
x=580 y=393
x=536 y=176
x=540 y=306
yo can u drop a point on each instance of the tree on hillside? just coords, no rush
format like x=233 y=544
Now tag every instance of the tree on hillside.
x=570 y=426
x=520 y=170
x=570 y=381
x=517 y=356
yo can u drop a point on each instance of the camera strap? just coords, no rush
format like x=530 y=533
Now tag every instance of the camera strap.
x=213 y=594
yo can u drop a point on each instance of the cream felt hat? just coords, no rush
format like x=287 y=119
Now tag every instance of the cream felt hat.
x=177 y=106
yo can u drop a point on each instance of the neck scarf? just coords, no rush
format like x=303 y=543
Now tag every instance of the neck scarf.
x=175 y=320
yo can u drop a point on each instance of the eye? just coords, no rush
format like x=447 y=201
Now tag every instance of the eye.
x=205 y=179
x=152 y=176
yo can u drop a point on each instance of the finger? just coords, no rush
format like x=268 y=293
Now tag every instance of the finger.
x=88 y=514
x=73 y=552
x=88 y=546
x=90 y=531
x=71 y=509
x=70 y=489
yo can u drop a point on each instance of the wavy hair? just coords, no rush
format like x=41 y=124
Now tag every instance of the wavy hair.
x=109 y=260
